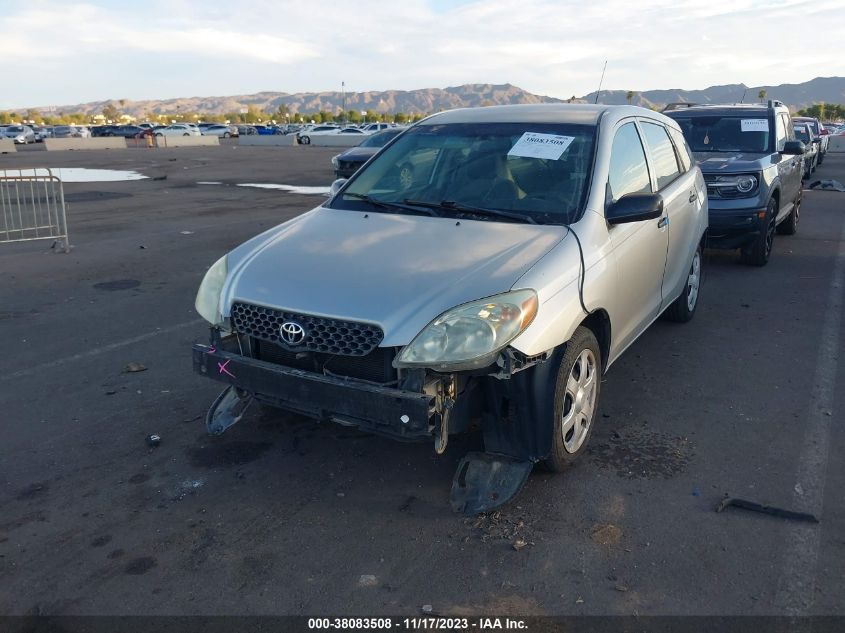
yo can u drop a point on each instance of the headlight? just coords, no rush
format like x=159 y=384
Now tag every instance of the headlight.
x=334 y=161
x=470 y=335
x=208 y=296
x=742 y=184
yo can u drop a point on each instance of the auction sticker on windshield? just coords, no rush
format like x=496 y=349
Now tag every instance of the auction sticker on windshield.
x=754 y=125
x=537 y=145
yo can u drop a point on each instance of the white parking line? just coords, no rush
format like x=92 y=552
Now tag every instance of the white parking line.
x=97 y=351
x=796 y=589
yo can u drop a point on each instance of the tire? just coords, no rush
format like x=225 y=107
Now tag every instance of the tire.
x=305 y=140
x=683 y=308
x=226 y=135
x=406 y=176
x=758 y=252
x=186 y=134
x=790 y=225
x=159 y=135
x=821 y=158
x=576 y=398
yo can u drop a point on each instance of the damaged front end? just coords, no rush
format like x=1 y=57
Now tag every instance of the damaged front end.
x=407 y=404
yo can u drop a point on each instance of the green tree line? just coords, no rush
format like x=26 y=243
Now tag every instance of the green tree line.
x=825 y=111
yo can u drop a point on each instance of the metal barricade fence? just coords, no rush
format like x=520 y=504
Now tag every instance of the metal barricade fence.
x=32 y=207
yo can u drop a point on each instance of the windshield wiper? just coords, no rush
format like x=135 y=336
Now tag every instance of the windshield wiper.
x=391 y=206
x=451 y=205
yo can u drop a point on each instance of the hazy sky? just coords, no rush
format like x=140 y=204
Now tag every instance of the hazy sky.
x=58 y=52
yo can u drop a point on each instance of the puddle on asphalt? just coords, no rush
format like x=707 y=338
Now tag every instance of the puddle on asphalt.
x=83 y=174
x=313 y=191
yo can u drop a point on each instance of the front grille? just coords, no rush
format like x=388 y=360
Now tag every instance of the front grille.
x=329 y=336
x=375 y=366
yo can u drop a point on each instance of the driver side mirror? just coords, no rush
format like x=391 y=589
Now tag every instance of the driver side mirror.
x=635 y=207
x=793 y=148
x=337 y=185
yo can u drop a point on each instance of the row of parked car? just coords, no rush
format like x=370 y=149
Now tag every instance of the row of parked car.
x=510 y=255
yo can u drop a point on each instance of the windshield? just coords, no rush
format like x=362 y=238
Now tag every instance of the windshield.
x=739 y=133
x=539 y=171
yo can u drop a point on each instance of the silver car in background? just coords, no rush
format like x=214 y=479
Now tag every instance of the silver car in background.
x=493 y=284
x=20 y=134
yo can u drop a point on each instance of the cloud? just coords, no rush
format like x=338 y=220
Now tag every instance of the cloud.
x=553 y=47
x=79 y=29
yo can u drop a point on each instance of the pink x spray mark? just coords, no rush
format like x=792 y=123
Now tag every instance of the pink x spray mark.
x=221 y=367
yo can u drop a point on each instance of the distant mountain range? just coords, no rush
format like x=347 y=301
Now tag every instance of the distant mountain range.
x=820 y=89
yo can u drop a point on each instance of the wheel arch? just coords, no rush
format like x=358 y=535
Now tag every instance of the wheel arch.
x=598 y=322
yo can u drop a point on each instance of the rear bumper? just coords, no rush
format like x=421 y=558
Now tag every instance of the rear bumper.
x=347 y=401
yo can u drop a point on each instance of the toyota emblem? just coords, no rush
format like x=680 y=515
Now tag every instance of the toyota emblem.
x=292 y=333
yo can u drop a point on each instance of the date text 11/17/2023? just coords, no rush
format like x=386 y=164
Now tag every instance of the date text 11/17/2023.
x=417 y=624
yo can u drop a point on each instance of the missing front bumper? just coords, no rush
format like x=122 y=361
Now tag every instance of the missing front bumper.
x=404 y=415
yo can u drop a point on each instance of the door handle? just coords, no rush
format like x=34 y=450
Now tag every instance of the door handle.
x=664 y=221
x=692 y=196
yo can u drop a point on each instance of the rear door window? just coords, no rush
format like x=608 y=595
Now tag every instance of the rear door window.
x=628 y=169
x=662 y=153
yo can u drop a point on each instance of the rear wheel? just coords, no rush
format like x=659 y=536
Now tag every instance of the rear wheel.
x=683 y=308
x=757 y=253
x=226 y=135
x=305 y=140
x=576 y=398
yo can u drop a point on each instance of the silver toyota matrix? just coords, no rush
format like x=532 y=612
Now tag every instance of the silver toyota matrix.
x=482 y=270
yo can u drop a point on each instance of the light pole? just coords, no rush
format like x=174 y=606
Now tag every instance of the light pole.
x=343 y=99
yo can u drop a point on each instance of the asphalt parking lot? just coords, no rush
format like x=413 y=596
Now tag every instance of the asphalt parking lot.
x=285 y=516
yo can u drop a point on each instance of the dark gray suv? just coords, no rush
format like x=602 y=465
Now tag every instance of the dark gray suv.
x=752 y=165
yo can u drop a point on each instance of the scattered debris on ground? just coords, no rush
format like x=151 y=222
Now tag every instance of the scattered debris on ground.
x=132 y=368
x=497 y=525
x=367 y=580
x=827 y=185
x=772 y=510
x=153 y=440
x=636 y=453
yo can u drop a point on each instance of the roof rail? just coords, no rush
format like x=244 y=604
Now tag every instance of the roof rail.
x=677 y=105
x=774 y=103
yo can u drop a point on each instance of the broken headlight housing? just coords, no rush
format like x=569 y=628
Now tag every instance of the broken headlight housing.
x=208 y=296
x=471 y=335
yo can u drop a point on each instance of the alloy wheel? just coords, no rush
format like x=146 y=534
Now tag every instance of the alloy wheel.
x=579 y=401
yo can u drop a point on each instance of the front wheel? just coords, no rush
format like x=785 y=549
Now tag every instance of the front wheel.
x=757 y=253
x=790 y=225
x=683 y=308
x=576 y=398
x=305 y=140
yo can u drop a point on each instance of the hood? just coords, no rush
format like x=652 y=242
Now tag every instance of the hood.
x=398 y=271
x=731 y=162
x=358 y=153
